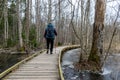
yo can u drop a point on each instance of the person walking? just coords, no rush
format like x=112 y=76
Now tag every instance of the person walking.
x=49 y=35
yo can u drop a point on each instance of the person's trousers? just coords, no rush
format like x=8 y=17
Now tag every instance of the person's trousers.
x=50 y=43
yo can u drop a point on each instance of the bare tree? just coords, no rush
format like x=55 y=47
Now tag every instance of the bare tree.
x=59 y=22
x=113 y=35
x=97 y=42
x=49 y=11
x=27 y=20
x=5 y=22
x=38 y=20
x=87 y=23
x=19 y=25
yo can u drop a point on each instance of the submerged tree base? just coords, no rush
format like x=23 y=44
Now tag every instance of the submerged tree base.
x=85 y=65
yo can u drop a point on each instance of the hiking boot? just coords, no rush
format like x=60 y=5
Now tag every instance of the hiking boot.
x=47 y=51
x=51 y=53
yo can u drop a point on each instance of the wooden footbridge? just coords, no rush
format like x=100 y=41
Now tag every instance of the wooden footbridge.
x=37 y=67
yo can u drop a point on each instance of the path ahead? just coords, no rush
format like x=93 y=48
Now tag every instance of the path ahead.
x=42 y=67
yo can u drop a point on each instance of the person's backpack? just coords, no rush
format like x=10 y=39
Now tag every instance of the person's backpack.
x=50 y=33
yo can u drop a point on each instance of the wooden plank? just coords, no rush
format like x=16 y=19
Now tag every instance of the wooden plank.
x=18 y=64
x=36 y=79
x=41 y=67
x=37 y=64
x=38 y=68
x=35 y=74
x=47 y=78
x=42 y=62
x=32 y=77
x=37 y=71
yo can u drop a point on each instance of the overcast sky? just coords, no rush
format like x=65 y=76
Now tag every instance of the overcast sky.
x=111 y=7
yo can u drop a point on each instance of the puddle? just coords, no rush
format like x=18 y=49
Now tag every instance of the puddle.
x=111 y=69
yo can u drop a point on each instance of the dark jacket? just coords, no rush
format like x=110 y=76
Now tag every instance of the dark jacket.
x=50 y=31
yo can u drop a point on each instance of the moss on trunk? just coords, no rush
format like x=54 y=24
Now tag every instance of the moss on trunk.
x=97 y=42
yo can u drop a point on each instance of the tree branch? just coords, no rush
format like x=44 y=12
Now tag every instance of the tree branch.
x=114 y=31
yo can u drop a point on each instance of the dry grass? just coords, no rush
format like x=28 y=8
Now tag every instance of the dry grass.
x=115 y=47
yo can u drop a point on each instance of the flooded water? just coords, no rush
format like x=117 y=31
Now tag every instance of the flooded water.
x=7 y=60
x=111 y=69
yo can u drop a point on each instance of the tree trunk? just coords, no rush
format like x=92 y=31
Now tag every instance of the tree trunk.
x=27 y=21
x=50 y=11
x=97 y=42
x=38 y=21
x=19 y=25
x=58 y=22
x=87 y=14
x=81 y=30
x=5 y=22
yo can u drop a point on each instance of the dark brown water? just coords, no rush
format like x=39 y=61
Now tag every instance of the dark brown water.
x=7 y=60
x=111 y=69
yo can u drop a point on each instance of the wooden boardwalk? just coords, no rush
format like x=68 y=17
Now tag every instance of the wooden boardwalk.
x=42 y=67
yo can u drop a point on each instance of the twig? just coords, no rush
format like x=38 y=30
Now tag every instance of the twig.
x=75 y=30
x=107 y=53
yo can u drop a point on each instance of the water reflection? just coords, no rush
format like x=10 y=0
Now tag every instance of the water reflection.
x=7 y=60
x=111 y=69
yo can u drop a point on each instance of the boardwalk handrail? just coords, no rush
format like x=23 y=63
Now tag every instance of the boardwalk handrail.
x=60 y=58
x=3 y=74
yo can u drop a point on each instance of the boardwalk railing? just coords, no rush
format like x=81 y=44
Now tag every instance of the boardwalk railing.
x=37 y=56
x=60 y=58
x=19 y=63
